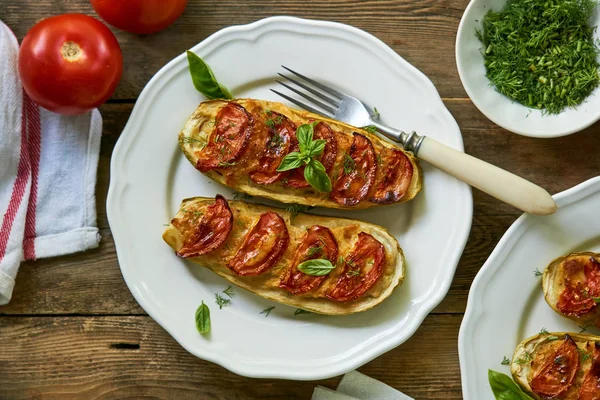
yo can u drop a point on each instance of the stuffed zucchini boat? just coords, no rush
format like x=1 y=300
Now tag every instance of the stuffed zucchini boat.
x=558 y=365
x=571 y=286
x=241 y=143
x=352 y=265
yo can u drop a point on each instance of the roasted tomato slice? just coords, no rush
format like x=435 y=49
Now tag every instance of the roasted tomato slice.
x=396 y=174
x=229 y=138
x=362 y=269
x=281 y=141
x=558 y=370
x=263 y=246
x=204 y=233
x=358 y=173
x=575 y=300
x=327 y=158
x=590 y=388
x=319 y=242
x=578 y=298
x=592 y=274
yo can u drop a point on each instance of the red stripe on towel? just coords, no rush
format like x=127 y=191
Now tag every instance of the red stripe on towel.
x=34 y=141
x=23 y=171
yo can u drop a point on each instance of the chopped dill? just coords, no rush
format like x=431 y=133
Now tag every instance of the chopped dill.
x=313 y=251
x=296 y=209
x=536 y=272
x=370 y=128
x=505 y=361
x=301 y=311
x=541 y=53
x=229 y=292
x=267 y=311
x=349 y=164
x=191 y=140
x=221 y=301
x=270 y=123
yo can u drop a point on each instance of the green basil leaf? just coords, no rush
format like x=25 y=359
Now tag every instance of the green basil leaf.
x=203 y=318
x=316 y=147
x=304 y=134
x=204 y=79
x=505 y=388
x=291 y=161
x=316 y=267
x=315 y=175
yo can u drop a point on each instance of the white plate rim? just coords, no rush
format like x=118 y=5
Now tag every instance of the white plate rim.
x=460 y=33
x=474 y=310
x=116 y=187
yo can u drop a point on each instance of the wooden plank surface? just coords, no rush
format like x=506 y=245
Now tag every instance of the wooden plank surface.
x=72 y=328
x=130 y=356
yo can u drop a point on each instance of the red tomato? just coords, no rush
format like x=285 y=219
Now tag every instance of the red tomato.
x=263 y=246
x=281 y=140
x=359 y=170
x=228 y=139
x=318 y=242
x=363 y=267
x=204 y=232
x=70 y=63
x=590 y=388
x=558 y=371
x=139 y=16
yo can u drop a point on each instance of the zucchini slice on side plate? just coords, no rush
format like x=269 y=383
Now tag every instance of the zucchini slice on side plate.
x=571 y=287
x=242 y=143
x=558 y=365
x=321 y=264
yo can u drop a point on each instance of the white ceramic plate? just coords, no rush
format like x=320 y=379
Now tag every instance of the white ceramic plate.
x=506 y=303
x=150 y=176
x=500 y=109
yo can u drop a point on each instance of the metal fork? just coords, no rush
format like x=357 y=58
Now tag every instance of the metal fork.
x=501 y=184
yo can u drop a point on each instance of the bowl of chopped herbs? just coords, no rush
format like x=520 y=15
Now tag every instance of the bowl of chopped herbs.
x=531 y=66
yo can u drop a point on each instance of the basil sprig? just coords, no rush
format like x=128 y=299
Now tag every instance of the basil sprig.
x=316 y=267
x=314 y=171
x=504 y=388
x=203 y=318
x=204 y=79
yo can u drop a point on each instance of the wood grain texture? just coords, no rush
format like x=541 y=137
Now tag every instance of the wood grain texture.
x=420 y=31
x=72 y=328
x=98 y=358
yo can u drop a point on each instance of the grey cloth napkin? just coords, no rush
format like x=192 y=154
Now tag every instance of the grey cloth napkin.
x=357 y=386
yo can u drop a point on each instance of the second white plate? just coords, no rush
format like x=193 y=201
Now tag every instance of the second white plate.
x=506 y=303
x=150 y=176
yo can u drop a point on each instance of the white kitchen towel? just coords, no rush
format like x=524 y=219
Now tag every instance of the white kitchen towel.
x=48 y=166
x=357 y=386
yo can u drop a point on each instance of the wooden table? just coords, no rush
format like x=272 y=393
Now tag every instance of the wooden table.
x=73 y=330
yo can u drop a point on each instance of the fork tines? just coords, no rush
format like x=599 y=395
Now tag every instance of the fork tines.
x=329 y=97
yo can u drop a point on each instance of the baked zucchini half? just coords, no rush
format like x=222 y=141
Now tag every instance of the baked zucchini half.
x=571 y=286
x=352 y=265
x=558 y=365
x=241 y=143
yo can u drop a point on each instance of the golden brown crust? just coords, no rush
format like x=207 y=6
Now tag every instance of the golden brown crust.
x=529 y=353
x=196 y=132
x=553 y=284
x=267 y=284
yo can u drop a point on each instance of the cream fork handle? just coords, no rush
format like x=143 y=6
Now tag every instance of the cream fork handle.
x=488 y=178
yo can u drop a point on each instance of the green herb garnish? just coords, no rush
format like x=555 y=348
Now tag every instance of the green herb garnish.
x=241 y=196
x=203 y=318
x=504 y=388
x=541 y=53
x=370 y=128
x=527 y=357
x=191 y=140
x=584 y=356
x=348 y=164
x=221 y=301
x=296 y=209
x=536 y=272
x=505 y=361
x=204 y=80
x=316 y=267
x=229 y=292
x=313 y=251
x=314 y=171
x=301 y=311
x=267 y=311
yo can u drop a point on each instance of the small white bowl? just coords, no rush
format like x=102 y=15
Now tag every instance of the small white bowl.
x=500 y=109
